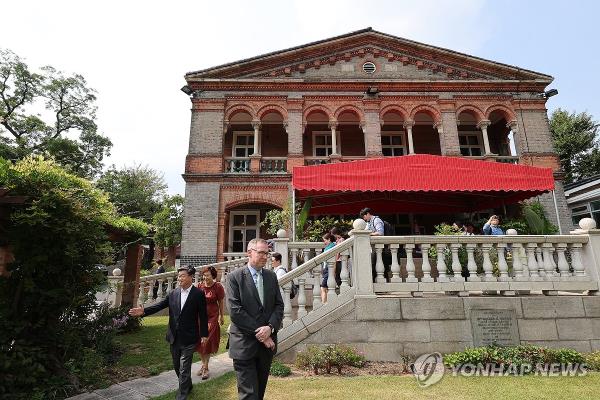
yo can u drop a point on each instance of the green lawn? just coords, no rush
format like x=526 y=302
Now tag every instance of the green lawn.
x=398 y=388
x=147 y=352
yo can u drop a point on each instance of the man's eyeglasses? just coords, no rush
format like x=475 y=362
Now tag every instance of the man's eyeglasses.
x=261 y=253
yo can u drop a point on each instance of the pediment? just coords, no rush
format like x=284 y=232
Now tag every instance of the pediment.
x=343 y=57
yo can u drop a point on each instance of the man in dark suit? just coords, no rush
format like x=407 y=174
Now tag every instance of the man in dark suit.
x=256 y=310
x=188 y=322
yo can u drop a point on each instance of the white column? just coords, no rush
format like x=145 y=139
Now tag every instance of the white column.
x=440 y=130
x=483 y=125
x=514 y=126
x=408 y=125
x=256 y=126
x=333 y=126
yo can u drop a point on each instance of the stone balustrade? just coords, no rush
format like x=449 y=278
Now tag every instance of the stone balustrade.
x=273 y=164
x=236 y=164
x=308 y=275
x=510 y=265
x=166 y=282
x=489 y=264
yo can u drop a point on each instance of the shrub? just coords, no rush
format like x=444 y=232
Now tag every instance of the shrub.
x=592 y=360
x=279 y=369
x=333 y=356
x=311 y=359
x=513 y=356
x=57 y=238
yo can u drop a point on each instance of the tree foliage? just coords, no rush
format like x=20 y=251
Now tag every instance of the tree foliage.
x=168 y=222
x=57 y=237
x=136 y=191
x=67 y=132
x=575 y=137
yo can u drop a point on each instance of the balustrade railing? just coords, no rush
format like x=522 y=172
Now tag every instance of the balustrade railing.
x=273 y=164
x=166 y=282
x=316 y=160
x=456 y=265
x=462 y=264
x=237 y=164
x=507 y=159
x=308 y=275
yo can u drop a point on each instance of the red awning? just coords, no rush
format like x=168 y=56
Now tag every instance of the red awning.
x=420 y=183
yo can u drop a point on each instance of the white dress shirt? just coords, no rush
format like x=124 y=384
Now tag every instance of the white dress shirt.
x=184 y=295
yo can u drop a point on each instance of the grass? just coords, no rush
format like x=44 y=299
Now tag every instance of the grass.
x=147 y=351
x=405 y=387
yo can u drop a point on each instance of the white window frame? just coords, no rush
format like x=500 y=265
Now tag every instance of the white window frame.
x=325 y=133
x=471 y=146
x=234 y=146
x=394 y=146
x=232 y=214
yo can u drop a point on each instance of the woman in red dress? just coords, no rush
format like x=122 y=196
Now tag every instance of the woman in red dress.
x=215 y=295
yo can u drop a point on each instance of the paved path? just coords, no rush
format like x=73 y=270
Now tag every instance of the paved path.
x=145 y=388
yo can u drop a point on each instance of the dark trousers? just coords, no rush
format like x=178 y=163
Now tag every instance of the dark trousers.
x=253 y=374
x=338 y=272
x=182 y=364
x=386 y=257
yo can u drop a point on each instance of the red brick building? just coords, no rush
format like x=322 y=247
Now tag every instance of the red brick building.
x=362 y=95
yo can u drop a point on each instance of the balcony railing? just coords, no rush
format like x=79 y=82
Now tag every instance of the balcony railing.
x=508 y=159
x=316 y=160
x=237 y=164
x=501 y=159
x=273 y=164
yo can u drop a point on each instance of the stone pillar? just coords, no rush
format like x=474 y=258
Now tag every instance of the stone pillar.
x=448 y=133
x=131 y=275
x=200 y=222
x=281 y=246
x=334 y=148
x=408 y=125
x=362 y=278
x=206 y=131
x=372 y=130
x=483 y=125
x=514 y=127
x=590 y=252
x=256 y=126
x=547 y=201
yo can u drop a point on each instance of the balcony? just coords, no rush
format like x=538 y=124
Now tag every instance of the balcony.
x=276 y=165
x=236 y=165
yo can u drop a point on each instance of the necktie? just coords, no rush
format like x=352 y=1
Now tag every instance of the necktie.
x=259 y=286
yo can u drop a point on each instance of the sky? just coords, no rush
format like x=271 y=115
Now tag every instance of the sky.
x=135 y=53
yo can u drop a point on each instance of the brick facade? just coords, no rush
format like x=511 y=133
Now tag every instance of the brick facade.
x=284 y=97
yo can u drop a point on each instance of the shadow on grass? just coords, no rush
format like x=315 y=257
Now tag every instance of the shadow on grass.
x=146 y=352
x=221 y=388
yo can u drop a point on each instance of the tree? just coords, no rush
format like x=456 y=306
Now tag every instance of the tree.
x=136 y=191
x=168 y=223
x=57 y=237
x=575 y=137
x=68 y=133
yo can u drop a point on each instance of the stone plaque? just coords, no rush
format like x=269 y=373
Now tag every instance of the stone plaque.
x=494 y=326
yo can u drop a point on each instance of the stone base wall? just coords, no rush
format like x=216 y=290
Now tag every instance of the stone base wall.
x=387 y=328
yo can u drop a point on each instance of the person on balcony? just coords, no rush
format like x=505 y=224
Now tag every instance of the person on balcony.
x=215 y=304
x=492 y=227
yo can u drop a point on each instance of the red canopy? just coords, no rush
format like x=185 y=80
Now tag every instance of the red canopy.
x=420 y=183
